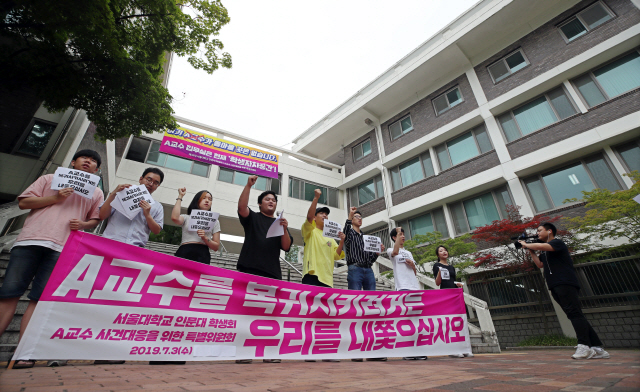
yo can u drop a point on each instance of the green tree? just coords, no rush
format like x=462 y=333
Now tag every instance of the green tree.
x=423 y=247
x=106 y=56
x=613 y=215
x=168 y=235
x=292 y=255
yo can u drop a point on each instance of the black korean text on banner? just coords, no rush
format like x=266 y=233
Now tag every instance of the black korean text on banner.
x=372 y=243
x=331 y=229
x=83 y=183
x=128 y=200
x=202 y=220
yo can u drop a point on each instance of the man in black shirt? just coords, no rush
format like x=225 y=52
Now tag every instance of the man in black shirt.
x=360 y=275
x=261 y=255
x=563 y=283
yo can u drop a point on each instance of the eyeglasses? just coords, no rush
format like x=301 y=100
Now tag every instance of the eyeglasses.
x=152 y=182
x=357 y=217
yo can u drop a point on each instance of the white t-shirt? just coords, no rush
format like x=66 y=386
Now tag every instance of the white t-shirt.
x=403 y=275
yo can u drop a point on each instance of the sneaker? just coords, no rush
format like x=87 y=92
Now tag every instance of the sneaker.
x=309 y=360
x=243 y=360
x=356 y=359
x=457 y=356
x=381 y=359
x=330 y=360
x=107 y=362
x=583 y=352
x=57 y=362
x=271 y=360
x=600 y=353
x=414 y=358
x=468 y=355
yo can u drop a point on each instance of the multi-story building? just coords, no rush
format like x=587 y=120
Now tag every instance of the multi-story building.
x=515 y=102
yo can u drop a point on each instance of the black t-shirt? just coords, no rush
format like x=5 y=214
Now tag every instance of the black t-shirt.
x=259 y=253
x=445 y=283
x=558 y=266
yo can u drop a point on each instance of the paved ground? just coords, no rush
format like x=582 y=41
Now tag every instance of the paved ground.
x=546 y=370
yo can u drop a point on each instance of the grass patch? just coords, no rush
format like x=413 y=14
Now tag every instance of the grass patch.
x=549 y=340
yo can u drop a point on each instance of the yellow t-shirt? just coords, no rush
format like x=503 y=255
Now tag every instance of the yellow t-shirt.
x=319 y=253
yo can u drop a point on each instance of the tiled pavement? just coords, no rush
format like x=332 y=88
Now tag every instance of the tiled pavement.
x=539 y=370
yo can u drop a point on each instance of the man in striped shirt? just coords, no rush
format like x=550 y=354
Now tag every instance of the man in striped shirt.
x=359 y=261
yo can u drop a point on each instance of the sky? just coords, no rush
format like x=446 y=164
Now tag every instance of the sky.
x=296 y=61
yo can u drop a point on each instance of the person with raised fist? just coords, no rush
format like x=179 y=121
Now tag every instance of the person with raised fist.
x=320 y=252
x=261 y=255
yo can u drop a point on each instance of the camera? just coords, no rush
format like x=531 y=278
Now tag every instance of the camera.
x=529 y=239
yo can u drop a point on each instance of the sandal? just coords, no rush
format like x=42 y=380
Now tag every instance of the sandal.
x=24 y=364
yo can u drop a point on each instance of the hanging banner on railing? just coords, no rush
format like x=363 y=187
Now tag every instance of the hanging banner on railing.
x=113 y=301
x=201 y=147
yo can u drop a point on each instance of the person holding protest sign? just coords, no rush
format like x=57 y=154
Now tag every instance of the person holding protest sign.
x=319 y=251
x=404 y=268
x=260 y=255
x=135 y=231
x=54 y=213
x=445 y=275
x=359 y=261
x=196 y=244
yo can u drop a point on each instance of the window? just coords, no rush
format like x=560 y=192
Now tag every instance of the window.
x=630 y=154
x=400 y=127
x=411 y=171
x=240 y=178
x=507 y=65
x=585 y=21
x=37 y=139
x=301 y=189
x=362 y=150
x=463 y=147
x=367 y=191
x=481 y=210
x=611 y=80
x=148 y=151
x=447 y=100
x=550 y=190
x=426 y=223
x=545 y=110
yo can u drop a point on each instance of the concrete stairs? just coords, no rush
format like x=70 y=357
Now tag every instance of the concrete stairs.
x=9 y=340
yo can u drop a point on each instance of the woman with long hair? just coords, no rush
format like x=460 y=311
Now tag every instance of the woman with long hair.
x=445 y=276
x=195 y=245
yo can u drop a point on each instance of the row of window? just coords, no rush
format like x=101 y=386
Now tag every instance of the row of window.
x=552 y=107
x=147 y=151
x=595 y=87
x=546 y=191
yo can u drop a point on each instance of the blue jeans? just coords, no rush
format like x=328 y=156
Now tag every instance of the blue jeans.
x=27 y=263
x=359 y=278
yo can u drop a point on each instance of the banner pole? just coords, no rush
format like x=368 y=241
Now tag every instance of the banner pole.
x=11 y=363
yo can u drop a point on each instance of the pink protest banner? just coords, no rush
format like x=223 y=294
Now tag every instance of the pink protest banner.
x=113 y=301
x=201 y=147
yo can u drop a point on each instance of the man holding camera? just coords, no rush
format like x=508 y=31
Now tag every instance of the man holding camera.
x=563 y=283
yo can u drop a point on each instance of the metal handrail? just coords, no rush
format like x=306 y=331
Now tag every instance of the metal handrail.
x=290 y=265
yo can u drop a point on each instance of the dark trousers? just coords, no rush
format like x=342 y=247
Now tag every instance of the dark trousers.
x=195 y=252
x=313 y=280
x=567 y=297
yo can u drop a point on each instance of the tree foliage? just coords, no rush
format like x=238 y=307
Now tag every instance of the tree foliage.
x=500 y=252
x=106 y=56
x=423 y=247
x=292 y=255
x=613 y=215
x=168 y=235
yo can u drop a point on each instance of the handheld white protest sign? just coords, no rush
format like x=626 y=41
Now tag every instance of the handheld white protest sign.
x=276 y=229
x=83 y=183
x=202 y=220
x=331 y=229
x=403 y=255
x=372 y=243
x=444 y=273
x=128 y=200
